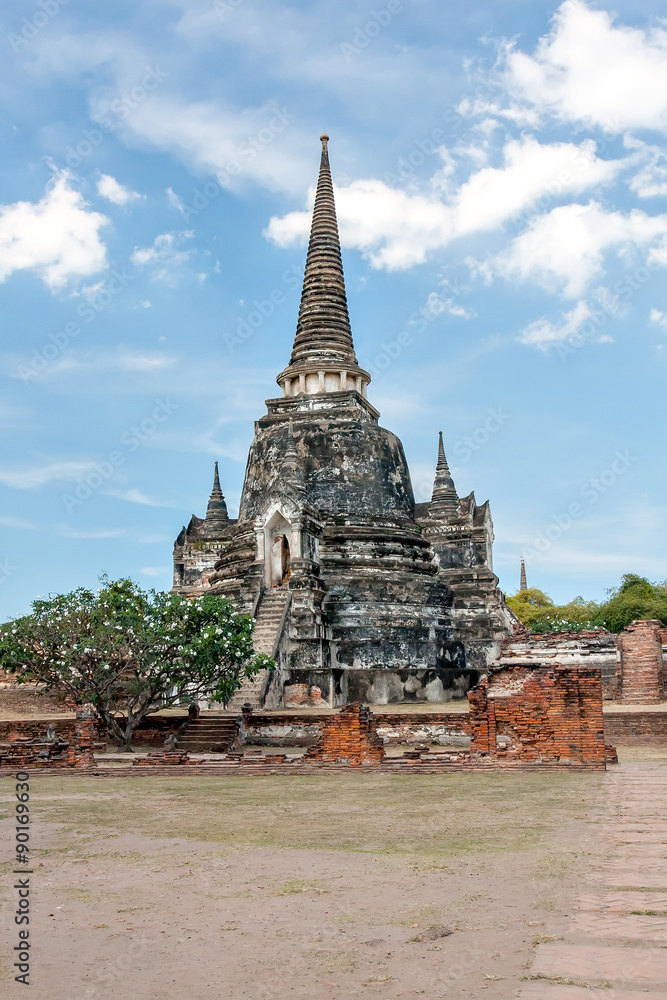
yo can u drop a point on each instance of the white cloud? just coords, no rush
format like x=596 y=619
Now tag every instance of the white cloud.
x=543 y=333
x=175 y=201
x=155 y=570
x=17 y=522
x=531 y=171
x=651 y=179
x=564 y=249
x=164 y=256
x=58 y=237
x=236 y=145
x=133 y=361
x=659 y=318
x=68 y=532
x=589 y=69
x=41 y=475
x=103 y=361
x=136 y=496
x=435 y=306
x=109 y=188
x=396 y=229
x=163 y=250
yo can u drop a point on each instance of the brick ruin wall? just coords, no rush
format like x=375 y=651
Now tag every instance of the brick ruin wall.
x=293 y=729
x=590 y=647
x=29 y=699
x=349 y=737
x=639 y=652
x=447 y=729
x=538 y=713
x=39 y=752
x=640 y=663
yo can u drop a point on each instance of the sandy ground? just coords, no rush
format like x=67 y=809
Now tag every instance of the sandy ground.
x=300 y=887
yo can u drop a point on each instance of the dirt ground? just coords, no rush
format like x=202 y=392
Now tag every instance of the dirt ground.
x=334 y=886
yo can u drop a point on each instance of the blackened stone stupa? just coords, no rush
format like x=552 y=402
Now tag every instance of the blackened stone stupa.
x=359 y=594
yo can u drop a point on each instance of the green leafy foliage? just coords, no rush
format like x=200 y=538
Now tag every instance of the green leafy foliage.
x=130 y=652
x=636 y=598
x=537 y=611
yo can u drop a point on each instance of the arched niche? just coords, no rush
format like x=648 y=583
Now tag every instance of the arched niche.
x=278 y=550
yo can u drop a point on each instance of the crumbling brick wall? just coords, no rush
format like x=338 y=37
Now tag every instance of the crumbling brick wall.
x=538 y=713
x=29 y=699
x=25 y=751
x=348 y=737
x=594 y=647
x=640 y=667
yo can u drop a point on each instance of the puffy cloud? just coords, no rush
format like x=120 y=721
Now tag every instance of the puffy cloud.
x=564 y=249
x=164 y=255
x=435 y=306
x=57 y=237
x=109 y=188
x=659 y=318
x=589 y=69
x=397 y=229
x=651 y=179
x=543 y=333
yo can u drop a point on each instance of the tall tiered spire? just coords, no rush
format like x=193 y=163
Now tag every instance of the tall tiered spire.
x=216 y=512
x=445 y=499
x=523 y=583
x=323 y=343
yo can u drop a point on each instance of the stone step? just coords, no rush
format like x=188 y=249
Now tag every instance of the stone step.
x=209 y=733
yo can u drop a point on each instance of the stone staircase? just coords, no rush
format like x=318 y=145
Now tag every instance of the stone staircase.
x=211 y=731
x=267 y=622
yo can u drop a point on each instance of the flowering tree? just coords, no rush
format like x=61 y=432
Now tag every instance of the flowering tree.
x=131 y=652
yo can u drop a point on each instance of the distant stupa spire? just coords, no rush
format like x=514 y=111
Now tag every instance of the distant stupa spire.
x=216 y=512
x=444 y=500
x=523 y=585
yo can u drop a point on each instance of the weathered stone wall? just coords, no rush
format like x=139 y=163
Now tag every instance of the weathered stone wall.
x=538 y=713
x=295 y=729
x=640 y=663
x=589 y=647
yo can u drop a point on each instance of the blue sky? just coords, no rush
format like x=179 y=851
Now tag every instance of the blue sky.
x=502 y=195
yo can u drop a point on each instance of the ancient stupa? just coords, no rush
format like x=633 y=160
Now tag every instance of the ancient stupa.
x=359 y=593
